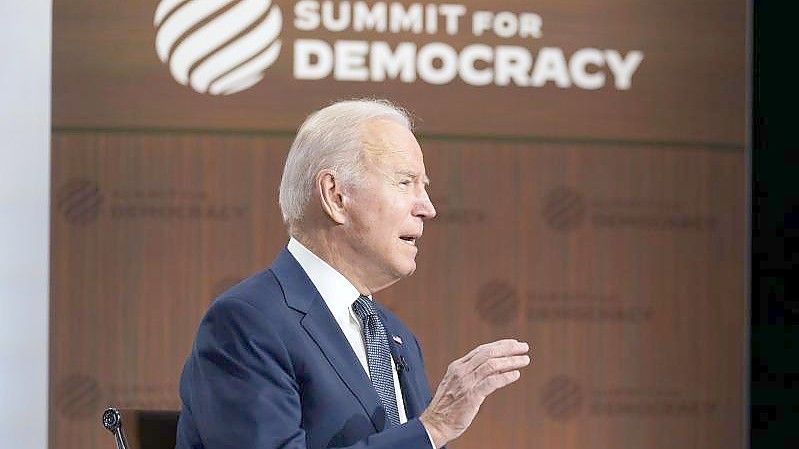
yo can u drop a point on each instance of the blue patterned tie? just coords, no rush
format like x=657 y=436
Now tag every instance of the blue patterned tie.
x=378 y=355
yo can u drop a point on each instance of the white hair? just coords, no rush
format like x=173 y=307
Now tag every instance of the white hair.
x=330 y=138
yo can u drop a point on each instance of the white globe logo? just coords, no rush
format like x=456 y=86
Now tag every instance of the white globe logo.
x=217 y=47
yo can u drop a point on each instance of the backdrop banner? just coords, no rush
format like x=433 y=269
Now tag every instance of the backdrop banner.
x=588 y=166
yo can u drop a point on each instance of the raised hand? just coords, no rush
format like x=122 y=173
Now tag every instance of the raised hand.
x=467 y=383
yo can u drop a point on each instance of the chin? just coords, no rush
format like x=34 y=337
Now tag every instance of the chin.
x=409 y=270
x=397 y=273
x=402 y=268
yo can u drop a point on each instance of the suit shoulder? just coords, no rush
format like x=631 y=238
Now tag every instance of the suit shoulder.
x=254 y=309
x=262 y=291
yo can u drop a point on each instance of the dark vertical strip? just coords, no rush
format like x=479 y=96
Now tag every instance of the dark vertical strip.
x=775 y=237
x=746 y=415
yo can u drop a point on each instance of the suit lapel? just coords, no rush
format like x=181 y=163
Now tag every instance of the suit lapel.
x=302 y=296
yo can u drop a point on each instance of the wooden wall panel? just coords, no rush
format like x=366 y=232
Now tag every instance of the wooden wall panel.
x=146 y=231
x=606 y=227
x=622 y=264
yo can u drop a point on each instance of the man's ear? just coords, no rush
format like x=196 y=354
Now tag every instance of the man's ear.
x=331 y=194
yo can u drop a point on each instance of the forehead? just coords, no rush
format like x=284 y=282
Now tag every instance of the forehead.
x=392 y=146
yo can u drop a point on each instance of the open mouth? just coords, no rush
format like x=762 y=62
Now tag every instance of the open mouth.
x=409 y=239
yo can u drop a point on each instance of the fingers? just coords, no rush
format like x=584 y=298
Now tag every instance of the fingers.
x=501 y=365
x=467 y=383
x=486 y=362
x=496 y=350
x=500 y=346
x=496 y=381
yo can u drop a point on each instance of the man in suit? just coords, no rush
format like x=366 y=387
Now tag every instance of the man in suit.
x=299 y=355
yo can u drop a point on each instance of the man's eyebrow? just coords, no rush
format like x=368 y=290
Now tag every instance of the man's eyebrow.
x=414 y=176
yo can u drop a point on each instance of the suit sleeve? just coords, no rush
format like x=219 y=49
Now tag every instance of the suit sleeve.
x=242 y=391
x=426 y=386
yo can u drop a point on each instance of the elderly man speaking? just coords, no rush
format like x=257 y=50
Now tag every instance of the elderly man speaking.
x=300 y=355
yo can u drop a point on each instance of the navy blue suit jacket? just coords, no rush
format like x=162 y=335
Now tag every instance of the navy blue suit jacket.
x=270 y=368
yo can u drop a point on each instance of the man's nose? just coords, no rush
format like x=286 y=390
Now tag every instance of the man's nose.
x=424 y=207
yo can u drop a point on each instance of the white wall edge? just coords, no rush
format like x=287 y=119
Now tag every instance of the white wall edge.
x=25 y=29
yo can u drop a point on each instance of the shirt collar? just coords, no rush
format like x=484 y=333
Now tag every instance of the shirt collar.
x=336 y=290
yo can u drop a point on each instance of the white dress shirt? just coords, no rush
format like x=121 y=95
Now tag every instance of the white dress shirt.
x=339 y=294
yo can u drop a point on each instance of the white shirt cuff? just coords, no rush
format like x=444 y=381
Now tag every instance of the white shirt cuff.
x=433 y=445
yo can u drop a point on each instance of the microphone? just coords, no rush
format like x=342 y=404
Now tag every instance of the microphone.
x=112 y=420
x=402 y=364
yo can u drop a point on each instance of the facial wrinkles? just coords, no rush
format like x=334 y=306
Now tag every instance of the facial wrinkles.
x=392 y=166
x=365 y=259
x=379 y=155
x=375 y=146
x=382 y=205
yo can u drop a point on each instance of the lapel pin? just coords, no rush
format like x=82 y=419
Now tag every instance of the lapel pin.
x=397 y=339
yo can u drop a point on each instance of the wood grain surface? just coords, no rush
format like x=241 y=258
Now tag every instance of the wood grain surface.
x=605 y=227
x=622 y=265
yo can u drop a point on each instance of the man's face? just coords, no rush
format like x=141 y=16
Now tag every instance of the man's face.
x=387 y=211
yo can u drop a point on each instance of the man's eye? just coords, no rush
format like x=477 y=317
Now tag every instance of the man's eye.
x=406 y=182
